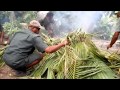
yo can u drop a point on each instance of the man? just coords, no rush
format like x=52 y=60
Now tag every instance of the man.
x=48 y=22
x=116 y=34
x=21 y=55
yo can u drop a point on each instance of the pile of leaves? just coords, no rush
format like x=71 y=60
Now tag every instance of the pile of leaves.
x=79 y=60
x=1 y=53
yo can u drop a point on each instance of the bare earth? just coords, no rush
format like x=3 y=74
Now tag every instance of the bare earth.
x=6 y=72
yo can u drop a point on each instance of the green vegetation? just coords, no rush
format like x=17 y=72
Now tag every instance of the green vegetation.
x=80 y=60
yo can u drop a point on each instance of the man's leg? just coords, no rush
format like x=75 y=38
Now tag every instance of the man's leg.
x=33 y=63
x=19 y=71
x=33 y=59
x=30 y=61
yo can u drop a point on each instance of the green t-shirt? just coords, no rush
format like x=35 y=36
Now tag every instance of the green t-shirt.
x=22 y=44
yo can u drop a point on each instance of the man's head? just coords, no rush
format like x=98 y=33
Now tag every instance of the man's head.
x=34 y=26
x=117 y=14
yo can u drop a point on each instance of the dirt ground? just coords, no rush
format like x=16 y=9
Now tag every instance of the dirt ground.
x=7 y=73
x=102 y=44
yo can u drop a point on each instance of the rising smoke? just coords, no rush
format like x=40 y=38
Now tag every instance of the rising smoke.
x=67 y=21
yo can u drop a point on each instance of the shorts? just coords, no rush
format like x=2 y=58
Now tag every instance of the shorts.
x=31 y=58
x=21 y=65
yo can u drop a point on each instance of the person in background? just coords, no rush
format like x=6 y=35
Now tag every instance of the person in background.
x=4 y=39
x=20 y=55
x=116 y=34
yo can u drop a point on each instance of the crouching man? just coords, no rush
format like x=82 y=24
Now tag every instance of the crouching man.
x=21 y=55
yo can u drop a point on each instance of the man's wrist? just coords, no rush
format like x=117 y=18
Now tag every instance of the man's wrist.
x=62 y=44
x=110 y=45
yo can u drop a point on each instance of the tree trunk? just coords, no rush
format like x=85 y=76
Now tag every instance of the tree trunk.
x=12 y=16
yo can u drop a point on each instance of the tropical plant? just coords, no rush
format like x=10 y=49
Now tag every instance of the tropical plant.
x=106 y=26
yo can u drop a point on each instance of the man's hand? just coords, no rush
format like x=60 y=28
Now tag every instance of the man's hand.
x=109 y=46
x=54 y=48
x=66 y=42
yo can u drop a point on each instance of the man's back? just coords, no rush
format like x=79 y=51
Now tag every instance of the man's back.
x=21 y=45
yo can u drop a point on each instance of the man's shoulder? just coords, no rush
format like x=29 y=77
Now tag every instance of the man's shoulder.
x=23 y=31
x=26 y=31
x=30 y=33
x=36 y=35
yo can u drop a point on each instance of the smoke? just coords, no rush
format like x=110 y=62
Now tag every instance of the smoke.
x=67 y=21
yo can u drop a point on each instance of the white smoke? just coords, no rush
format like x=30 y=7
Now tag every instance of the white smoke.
x=72 y=20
